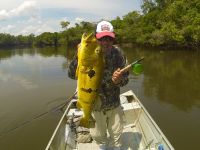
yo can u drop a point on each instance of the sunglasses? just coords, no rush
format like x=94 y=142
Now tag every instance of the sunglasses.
x=105 y=38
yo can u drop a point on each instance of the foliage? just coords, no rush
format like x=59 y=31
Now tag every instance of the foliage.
x=64 y=24
x=174 y=23
x=10 y=40
x=177 y=23
x=46 y=39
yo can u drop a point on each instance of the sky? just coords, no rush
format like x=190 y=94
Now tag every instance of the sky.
x=38 y=16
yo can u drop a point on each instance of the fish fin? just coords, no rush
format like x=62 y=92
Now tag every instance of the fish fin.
x=83 y=37
x=90 y=37
x=87 y=37
x=79 y=45
x=78 y=105
x=77 y=69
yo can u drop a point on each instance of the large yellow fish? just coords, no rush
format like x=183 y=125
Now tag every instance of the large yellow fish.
x=89 y=74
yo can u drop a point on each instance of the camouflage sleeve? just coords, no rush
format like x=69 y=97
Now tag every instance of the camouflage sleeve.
x=72 y=67
x=122 y=62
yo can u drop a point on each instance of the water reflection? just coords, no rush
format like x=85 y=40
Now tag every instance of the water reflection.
x=33 y=81
x=46 y=52
x=173 y=77
x=169 y=76
x=170 y=90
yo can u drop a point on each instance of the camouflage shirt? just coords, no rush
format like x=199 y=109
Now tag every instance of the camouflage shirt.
x=108 y=92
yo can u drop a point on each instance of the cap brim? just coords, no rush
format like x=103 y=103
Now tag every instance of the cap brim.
x=102 y=34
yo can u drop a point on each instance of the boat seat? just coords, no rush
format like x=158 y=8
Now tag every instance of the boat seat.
x=129 y=106
x=75 y=111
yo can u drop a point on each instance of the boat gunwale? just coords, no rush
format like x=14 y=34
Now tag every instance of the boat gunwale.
x=128 y=93
x=60 y=121
x=151 y=119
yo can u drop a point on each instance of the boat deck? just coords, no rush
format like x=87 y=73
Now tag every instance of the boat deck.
x=130 y=140
x=131 y=136
x=140 y=131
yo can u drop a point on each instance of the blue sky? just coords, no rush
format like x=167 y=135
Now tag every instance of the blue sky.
x=37 y=16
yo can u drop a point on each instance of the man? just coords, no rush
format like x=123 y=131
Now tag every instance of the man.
x=107 y=111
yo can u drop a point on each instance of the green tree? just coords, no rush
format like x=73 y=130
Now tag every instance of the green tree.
x=64 y=24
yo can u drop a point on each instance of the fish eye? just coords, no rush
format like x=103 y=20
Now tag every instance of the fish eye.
x=97 y=50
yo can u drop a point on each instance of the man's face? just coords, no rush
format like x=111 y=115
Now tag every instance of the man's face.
x=106 y=42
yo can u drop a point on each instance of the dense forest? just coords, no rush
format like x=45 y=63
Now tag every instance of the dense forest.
x=165 y=23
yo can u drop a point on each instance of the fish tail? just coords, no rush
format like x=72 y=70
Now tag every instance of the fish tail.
x=78 y=105
x=87 y=122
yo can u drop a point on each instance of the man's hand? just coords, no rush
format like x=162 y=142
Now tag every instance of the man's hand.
x=116 y=77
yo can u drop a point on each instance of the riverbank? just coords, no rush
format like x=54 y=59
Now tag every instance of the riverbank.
x=128 y=45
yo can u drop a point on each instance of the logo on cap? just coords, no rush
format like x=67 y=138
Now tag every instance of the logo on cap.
x=105 y=27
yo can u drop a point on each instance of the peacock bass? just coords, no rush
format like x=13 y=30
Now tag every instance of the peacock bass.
x=89 y=74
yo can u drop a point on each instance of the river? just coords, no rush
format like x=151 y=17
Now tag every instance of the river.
x=34 y=81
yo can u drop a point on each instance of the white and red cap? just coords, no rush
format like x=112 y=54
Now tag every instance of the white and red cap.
x=104 y=28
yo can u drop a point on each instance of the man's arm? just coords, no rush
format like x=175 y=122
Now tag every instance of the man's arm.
x=119 y=78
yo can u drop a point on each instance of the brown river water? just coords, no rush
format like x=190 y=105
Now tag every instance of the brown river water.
x=34 y=81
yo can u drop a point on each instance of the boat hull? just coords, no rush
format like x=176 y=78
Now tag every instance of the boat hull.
x=140 y=130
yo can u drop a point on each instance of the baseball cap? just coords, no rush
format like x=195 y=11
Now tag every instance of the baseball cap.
x=104 y=28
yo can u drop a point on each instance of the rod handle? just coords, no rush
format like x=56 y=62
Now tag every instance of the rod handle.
x=125 y=69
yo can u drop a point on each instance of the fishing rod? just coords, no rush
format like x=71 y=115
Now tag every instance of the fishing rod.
x=58 y=107
x=136 y=66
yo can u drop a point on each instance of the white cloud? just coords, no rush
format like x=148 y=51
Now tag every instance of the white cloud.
x=3 y=15
x=99 y=7
x=37 y=27
x=27 y=8
x=78 y=19
x=7 y=28
x=77 y=4
x=25 y=17
x=27 y=30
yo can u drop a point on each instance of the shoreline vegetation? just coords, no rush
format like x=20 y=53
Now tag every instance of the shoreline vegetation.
x=163 y=24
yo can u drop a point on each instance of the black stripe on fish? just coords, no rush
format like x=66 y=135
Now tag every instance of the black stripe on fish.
x=91 y=73
x=88 y=90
